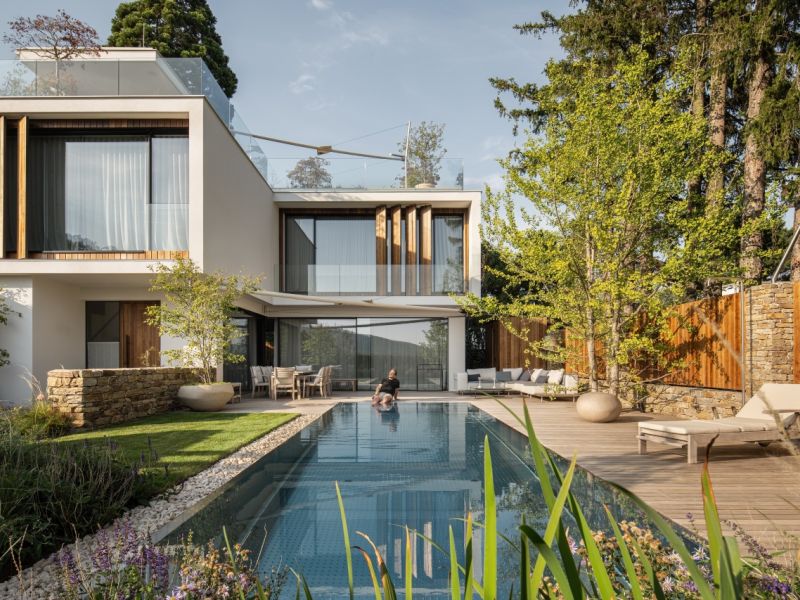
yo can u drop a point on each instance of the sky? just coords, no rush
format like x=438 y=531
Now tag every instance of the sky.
x=329 y=71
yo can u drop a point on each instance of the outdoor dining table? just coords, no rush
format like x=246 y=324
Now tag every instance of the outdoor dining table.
x=303 y=377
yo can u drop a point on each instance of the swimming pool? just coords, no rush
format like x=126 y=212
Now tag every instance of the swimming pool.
x=421 y=466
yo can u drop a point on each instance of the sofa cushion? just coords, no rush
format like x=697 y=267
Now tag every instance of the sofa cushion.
x=526 y=375
x=555 y=376
x=473 y=377
x=503 y=376
x=485 y=374
x=515 y=373
x=539 y=376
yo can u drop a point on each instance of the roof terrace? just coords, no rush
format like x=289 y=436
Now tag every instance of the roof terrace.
x=144 y=72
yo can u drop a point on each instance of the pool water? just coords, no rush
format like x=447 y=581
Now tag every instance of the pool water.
x=420 y=466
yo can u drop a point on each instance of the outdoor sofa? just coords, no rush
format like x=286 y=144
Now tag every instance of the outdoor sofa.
x=535 y=382
x=753 y=423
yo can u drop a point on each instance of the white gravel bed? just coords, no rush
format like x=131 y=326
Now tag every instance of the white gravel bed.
x=42 y=580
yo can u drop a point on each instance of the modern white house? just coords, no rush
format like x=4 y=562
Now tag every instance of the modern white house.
x=112 y=164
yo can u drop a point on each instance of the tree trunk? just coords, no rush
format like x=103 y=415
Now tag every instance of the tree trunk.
x=612 y=352
x=591 y=346
x=716 y=130
x=755 y=170
x=698 y=107
x=796 y=249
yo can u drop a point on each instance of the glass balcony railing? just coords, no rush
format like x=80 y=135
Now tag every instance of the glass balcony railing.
x=112 y=77
x=372 y=280
x=359 y=173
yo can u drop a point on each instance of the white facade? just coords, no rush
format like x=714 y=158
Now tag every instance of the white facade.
x=234 y=225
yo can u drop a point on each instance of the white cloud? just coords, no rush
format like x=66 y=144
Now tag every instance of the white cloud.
x=303 y=84
x=493 y=180
x=321 y=4
x=352 y=31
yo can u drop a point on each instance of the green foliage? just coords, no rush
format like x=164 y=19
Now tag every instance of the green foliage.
x=50 y=493
x=425 y=153
x=310 y=173
x=197 y=310
x=176 y=28
x=609 y=241
x=39 y=421
x=5 y=313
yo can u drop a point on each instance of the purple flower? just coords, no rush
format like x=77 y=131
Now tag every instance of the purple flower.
x=67 y=561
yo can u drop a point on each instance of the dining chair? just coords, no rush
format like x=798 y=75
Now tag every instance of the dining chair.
x=284 y=379
x=319 y=382
x=258 y=381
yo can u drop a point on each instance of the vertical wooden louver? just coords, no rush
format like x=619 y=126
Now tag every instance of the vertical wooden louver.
x=426 y=250
x=22 y=188
x=397 y=257
x=411 y=251
x=380 y=251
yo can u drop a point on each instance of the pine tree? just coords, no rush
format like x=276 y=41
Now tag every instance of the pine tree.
x=176 y=28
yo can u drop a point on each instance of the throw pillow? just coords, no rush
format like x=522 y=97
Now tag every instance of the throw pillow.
x=473 y=378
x=526 y=375
x=515 y=373
x=503 y=376
x=555 y=376
x=537 y=374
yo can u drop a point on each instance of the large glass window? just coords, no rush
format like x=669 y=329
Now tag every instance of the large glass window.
x=102 y=335
x=367 y=348
x=448 y=253
x=107 y=193
x=329 y=254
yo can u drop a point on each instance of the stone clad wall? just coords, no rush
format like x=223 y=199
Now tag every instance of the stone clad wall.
x=692 y=403
x=94 y=397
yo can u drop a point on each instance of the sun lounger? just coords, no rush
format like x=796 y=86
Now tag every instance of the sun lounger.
x=753 y=423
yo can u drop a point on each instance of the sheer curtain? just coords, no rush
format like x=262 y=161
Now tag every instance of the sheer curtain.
x=345 y=254
x=299 y=254
x=448 y=253
x=105 y=194
x=170 y=193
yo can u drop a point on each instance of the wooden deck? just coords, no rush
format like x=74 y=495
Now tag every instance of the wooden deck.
x=757 y=488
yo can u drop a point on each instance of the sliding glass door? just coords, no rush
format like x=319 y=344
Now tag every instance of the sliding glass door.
x=367 y=348
x=108 y=193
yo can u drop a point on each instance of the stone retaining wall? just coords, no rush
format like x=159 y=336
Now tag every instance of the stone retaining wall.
x=93 y=397
x=691 y=403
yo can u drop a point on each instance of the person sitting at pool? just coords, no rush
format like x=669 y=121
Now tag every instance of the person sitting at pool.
x=387 y=390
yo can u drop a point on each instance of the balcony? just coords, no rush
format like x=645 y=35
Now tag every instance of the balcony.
x=358 y=174
x=372 y=280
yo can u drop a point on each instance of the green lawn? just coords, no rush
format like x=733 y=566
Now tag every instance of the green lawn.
x=177 y=445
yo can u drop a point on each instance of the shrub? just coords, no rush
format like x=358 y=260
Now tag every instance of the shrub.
x=41 y=420
x=128 y=565
x=51 y=493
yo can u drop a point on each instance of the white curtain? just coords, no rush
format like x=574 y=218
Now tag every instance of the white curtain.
x=105 y=194
x=448 y=253
x=170 y=188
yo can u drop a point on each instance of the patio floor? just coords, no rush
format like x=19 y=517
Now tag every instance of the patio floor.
x=757 y=488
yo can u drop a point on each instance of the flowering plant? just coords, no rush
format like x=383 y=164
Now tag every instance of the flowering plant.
x=126 y=564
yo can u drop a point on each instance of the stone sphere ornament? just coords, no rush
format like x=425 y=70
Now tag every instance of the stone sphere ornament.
x=598 y=407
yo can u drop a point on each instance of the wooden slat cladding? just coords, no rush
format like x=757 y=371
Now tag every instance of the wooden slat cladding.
x=397 y=259
x=796 y=321
x=142 y=255
x=22 y=187
x=2 y=186
x=411 y=251
x=110 y=124
x=140 y=342
x=426 y=250
x=507 y=350
x=380 y=250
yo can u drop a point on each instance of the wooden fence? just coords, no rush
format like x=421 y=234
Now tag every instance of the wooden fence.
x=695 y=341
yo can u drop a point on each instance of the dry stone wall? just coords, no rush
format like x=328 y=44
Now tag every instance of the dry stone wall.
x=94 y=397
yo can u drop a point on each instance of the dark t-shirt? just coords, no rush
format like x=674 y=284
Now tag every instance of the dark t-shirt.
x=390 y=386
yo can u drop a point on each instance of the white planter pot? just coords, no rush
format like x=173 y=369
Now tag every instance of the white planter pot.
x=206 y=397
x=598 y=407
x=425 y=186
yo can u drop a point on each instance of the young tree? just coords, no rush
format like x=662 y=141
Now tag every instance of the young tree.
x=310 y=173
x=425 y=152
x=607 y=177
x=197 y=310
x=59 y=38
x=176 y=28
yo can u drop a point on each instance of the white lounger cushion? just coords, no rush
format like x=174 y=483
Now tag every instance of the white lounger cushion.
x=783 y=397
x=690 y=427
